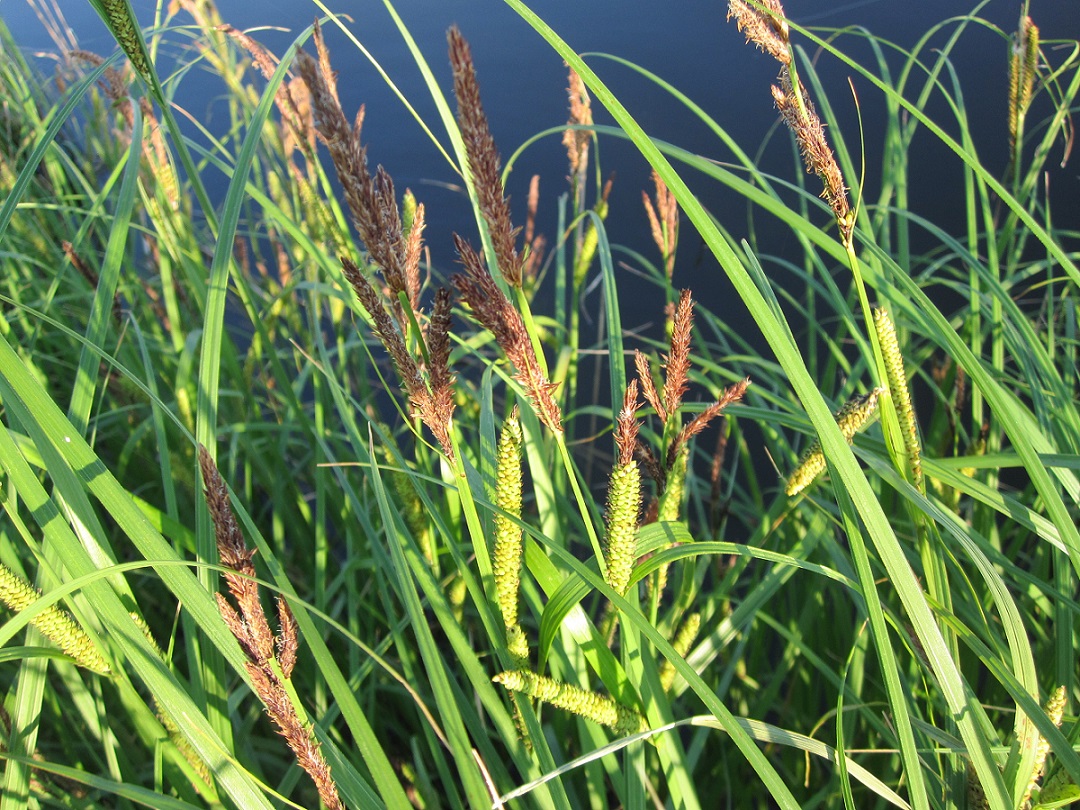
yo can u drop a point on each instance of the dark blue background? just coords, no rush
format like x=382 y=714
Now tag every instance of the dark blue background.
x=688 y=43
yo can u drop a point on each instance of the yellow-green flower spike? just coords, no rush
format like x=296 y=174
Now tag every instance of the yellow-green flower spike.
x=675 y=486
x=518 y=645
x=589 y=244
x=683 y=639
x=1055 y=708
x=850 y=419
x=55 y=624
x=412 y=511
x=901 y=397
x=408 y=212
x=624 y=502
x=1023 y=68
x=592 y=706
x=175 y=737
x=668 y=509
x=506 y=558
x=121 y=21
x=456 y=594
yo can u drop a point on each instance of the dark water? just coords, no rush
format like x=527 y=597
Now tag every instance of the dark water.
x=687 y=43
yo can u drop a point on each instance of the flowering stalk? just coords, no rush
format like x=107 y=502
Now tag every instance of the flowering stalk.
x=1055 y=708
x=591 y=705
x=394 y=245
x=1023 y=68
x=624 y=498
x=851 y=418
x=506 y=556
x=270 y=659
x=55 y=624
x=898 y=390
x=766 y=27
x=683 y=640
x=670 y=472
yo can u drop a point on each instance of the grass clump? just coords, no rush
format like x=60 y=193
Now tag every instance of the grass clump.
x=477 y=602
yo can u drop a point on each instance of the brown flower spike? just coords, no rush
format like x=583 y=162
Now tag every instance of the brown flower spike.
x=395 y=248
x=663 y=222
x=498 y=316
x=270 y=659
x=483 y=159
x=767 y=28
x=371 y=199
x=576 y=141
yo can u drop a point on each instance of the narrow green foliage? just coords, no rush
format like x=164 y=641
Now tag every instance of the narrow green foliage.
x=1059 y=791
x=55 y=624
x=323 y=361
x=591 y=705
x=175 y=737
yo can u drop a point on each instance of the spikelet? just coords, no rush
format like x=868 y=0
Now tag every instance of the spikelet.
x=506 y=557
x=591 y=240
x=803 y=121
x=765 y=27
x=1023 y=68
x=850 y=419
x=576 y=141
x=246 y=620
x=175 y=737
x=55 y=624
x=624 y=498
x=493 y=309
x=535 y=243
x=898 y=388
x=120 y=19
x=370 y=197
x=484 y=163
x=591 y=705
x=1055 y=708
x=683 y=639
x=663 y=222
